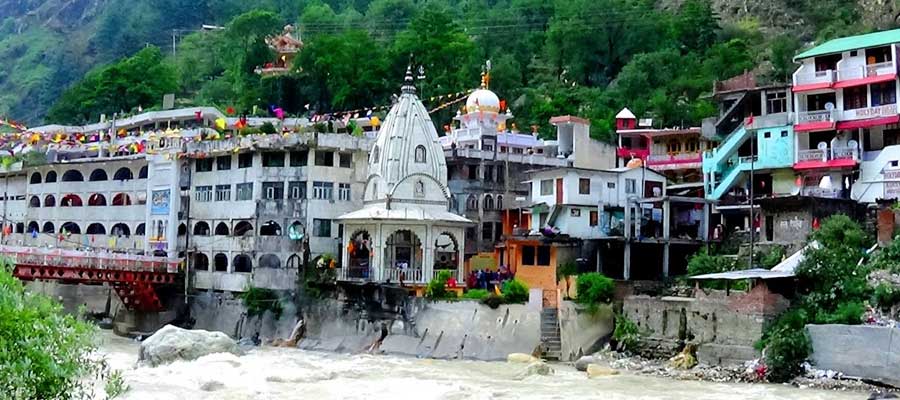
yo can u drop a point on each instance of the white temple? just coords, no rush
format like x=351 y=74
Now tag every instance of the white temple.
x=405 y=231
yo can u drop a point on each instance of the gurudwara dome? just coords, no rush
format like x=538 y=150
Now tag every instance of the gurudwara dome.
x=404 y=232
x=483 y=100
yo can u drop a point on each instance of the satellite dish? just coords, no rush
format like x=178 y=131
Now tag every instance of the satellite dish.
x=822 y=146
x=852 y=144
x=829 y=106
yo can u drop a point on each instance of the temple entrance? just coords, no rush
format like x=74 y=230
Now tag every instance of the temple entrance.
x=403 y=258
x=446 y=253
x=359 y=249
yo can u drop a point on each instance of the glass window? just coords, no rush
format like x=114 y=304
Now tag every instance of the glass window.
x=594 y=218
x=528 y=255
x=203 y=193
x=610 y=185
x=543 y=255
x=245 y=160
x=223 y=192
x=630 y=186
x=299 y=158
x=323 y=190
x=884 y=93
x=776 y=102
x=854 y=97
x=584 y=186
x=324 y=158
x=273 y=190
x=297 y=190
x=546 y=187
x=344 y=192
x=488 y=173
x=273 y=159
x=345 y=160
x=321 y=227
x=223 y=163
x=243 y=191
x=204 y=164
x=487 y=231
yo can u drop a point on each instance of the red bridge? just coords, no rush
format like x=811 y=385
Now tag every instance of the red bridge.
x=135 y=278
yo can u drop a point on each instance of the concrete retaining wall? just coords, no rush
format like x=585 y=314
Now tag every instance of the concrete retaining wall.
x=871 y=352
x=92 y=297
x=583 y=332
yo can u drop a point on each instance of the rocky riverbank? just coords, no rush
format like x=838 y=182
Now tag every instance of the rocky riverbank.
x=747 y=373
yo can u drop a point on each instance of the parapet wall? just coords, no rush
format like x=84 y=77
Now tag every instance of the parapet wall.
x=871 y=352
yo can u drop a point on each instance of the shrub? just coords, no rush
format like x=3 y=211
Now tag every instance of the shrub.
x=259 y=300
x=886 y=295
x=44 y=353
x=566 y=269
x=787 y=350
x=514 y=291
x=476 y=294
x=772 y=258
x=594 y=288
x=626 y=333
x=493 y=301
x=849 y=313
x=267 y=128
x=702 y=263
x=437 y=287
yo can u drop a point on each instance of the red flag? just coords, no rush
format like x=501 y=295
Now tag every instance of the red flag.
x=198 y=115
x=502 y=105
x=750 y=120
x=229 y=110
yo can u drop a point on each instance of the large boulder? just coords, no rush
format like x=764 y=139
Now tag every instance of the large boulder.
x=173 y=343
x=584 y=361
x=521 y=358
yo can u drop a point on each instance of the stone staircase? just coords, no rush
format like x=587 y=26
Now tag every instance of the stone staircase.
x=551 y=345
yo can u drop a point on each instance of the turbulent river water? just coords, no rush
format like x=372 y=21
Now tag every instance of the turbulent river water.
x=278 y=373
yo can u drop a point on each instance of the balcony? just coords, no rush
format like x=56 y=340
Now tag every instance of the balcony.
x=815 y=120
x=629 y=152
x=675 y=160
x=835 y=157
x=866 y=74
x=869 y=113
x=813 y=80
x=812 y=155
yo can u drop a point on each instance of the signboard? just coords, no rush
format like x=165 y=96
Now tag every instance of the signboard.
x=892 y=184
x=160 y=202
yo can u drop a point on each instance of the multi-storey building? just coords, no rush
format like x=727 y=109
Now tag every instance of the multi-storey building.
x=846 y=95
x=244 y=211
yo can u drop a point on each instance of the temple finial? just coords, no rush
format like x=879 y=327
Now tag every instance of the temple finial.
x=408 y=86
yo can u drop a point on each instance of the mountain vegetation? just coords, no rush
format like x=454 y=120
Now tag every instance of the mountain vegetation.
x=70 y=61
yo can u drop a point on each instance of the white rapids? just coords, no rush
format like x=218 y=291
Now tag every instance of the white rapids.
x=286 y=373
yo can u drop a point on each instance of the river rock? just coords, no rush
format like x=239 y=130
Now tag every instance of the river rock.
x=583 y=362
x=594 y=370
x=173 y=343
x=521 y=358
x=882 y=395
x=535 y=368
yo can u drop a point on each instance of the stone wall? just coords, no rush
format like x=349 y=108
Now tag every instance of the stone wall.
x=871 y=352
x=92 y=297
x=724 y=326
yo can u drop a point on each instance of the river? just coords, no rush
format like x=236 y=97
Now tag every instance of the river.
x=279 y=373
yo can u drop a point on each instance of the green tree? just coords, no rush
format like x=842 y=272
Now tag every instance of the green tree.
x=44 y=353
x=695 y=26
x=140 y=80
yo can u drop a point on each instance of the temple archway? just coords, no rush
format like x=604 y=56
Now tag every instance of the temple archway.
x=403 y=257
x=446 y=252
x=70 y=200
x=269 y=261
x=96 y=229
x=201 y=262
x=221 y=229
x=242 y=263
x=97 y=199
x=120 y=229
x=359 y=252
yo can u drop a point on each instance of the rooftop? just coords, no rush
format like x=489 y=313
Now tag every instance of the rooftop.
x=843 y=44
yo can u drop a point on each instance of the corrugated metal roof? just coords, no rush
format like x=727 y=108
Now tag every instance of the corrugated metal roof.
x=843 y=44
x=756 y=273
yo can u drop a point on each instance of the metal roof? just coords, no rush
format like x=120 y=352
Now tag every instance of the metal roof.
x=756 y=273
x=843 y=44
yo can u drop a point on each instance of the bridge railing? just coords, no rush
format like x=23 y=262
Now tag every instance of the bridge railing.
x=83 y=259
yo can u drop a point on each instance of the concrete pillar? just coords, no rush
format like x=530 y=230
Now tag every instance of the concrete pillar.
x=666 y=218
x=665 y=260
x=626 y=270
x=704 y=223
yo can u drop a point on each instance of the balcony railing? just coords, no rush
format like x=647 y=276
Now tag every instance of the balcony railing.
x=748 y=159
x=806 y=117
x=807 y=78
x=674 y=158
x=885 y=110
x=843 y=153
x=819 y=192
x=811 y=155
x=866 y=71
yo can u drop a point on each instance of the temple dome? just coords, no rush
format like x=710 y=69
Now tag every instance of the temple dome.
x=407 y=165
x=483 y=100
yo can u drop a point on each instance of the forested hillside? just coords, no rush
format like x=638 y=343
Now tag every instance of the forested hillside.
x=71 y=60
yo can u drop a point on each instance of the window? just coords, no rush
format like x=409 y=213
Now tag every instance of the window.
x=204 y=164
x=223 y=192
x=528 y=255
x=854 y=97
x=203 y=193
x=243 y=191
x=488 y=173
x=501 y=174
x=776 y=102
x=594 y=218
x=245 y=160
x=610 y=185
x=767 y=135
x=536 y=255
x=345 y=160
x=546 y=187
x=630 y=186
x=783 y=133
x=471 y=203
x=673 y=146
x=487 y=147
x=323 y=190
x=273 y=190
x=324 y=158
x=518 y=150
x=344 y=192
x=420 y=154
x=223 y=163
x=299 y=158
x=273 y=159
x=488 y=202
x=584 y=186
x=884 y=93
x=472 y=171
x=487 y=231
x=543 y=255
x=321 y=227
x=297 y=190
